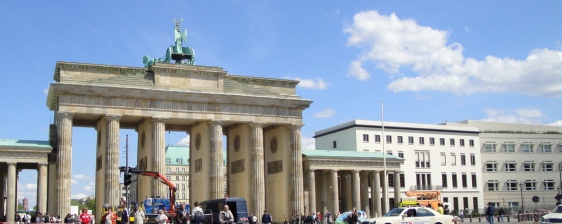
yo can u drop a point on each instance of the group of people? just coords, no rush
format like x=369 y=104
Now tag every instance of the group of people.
x=123 y=216
x=49 y=218
x=310 y=218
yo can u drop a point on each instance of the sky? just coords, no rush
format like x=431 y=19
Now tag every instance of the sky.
x=428 y=61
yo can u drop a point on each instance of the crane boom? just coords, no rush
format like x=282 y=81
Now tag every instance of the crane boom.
x=171 y=186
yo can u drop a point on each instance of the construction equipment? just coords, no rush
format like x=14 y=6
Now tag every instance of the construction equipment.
x=169 y=208
x=426 y=197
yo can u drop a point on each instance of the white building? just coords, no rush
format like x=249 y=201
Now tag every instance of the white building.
x=519 y=161
x=436 y=156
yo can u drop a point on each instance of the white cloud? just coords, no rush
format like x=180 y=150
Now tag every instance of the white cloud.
x=466 y=29
x=392 y=43
x=79 y=196
x=80 y=177
x=307 y=143
x=317 y=83
x=524 y=116
x=73 y=181
x=183 y=142
x=46 y=90
x=89 y=188
x=556 y=123
x=325 y=113
x=30 y=186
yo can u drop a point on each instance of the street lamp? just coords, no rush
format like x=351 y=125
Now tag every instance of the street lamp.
x=522 y=205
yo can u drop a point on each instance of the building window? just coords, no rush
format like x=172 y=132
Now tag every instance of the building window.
x=334 y=144
x=471 y=143
x=474 y=181
x=528 y=166
x=453 y=159
x=183 y=178
x=389 y=152
x=548 y=185
x=177 y=177
x=454 y=180
x=168 y=177
x=401 y=155
x=547 y=166
x=493 y=185
x=168 y=170
x=377 y=138
x=180 y=161
x=400 y=140
x=444 y=180
x=422 y=160
x=464 y=180
x=465 y=203
x=402 y=180
x=431 y=141
x=463 y=159
x=365 y=138
x=509 y=147
x=492 y=167
x=510 y=166
x=391 y=180
x=423 y=181
x=545 y=148
x=441 y=141
x=183 y=187
x=511 y=185
x=168 y=161
x=461 y=142
x=443 y=159
x=177 y=170
x=388 y=139
x=452 y=142
x=527 y=148
x=183 y=170
x=475 y=203
x=472 y=159
x=422 y=140
x=410 y=140
x=530 y=185
x=490 y=147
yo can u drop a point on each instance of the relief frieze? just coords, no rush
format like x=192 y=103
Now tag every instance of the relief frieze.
x=274 y=167
x=237 y=166
x=172 y=105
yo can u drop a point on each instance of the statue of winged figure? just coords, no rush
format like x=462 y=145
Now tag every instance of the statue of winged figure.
x=177 y=52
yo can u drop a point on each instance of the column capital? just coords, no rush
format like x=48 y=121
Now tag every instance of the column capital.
x=113 y=117
x=311 y=170
x=65 y=114
x=12 y=163
x=296 y=127
x=256 y=125
x=159 y=119
x=216 y=122
x=355 y=171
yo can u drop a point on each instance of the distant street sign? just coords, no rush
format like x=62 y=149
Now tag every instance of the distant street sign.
x=536 y=199
x=558 y=197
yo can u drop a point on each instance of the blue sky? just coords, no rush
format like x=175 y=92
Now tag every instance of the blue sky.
x=428 y=61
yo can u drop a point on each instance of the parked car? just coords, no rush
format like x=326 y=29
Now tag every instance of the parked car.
x=411 y=215
x=342 y=219
x=555 y=216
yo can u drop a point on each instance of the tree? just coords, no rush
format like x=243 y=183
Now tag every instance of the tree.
x=91 y=204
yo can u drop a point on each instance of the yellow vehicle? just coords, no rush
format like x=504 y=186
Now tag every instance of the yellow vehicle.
x=425 y=198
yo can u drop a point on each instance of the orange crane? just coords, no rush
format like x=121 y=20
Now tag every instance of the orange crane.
x=426 y=197
x=171 y=213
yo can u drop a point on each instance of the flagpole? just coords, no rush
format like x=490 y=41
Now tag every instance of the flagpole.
x=385 y=206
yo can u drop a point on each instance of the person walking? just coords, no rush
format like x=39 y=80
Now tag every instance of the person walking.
x=139 y=216
x=161 y=218
x=353 y=218
x=490 y=213
x=183 y=215
x=225 y=216
x=266 y=217
x=501 y=213
x=124 y=215
x=197 y=214
x=84 y=217
x=440 y=209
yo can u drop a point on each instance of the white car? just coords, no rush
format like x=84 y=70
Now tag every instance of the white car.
x=411 y=215
x=555 y=216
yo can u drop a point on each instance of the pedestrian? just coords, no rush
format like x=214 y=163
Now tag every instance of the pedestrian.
x=440 y=209
x=266 y=217
x=490 y=213
x=447 y=211
x=124 y=215
x=69 y=218
x=84 y=217
x=328 y=217
x=197 y=214
x=183 y=215
x=139 y=216
x=352 y=217
x=286 y=220
x=501 y=213
x=161 y=218
x=225 y=216
x=461 y=215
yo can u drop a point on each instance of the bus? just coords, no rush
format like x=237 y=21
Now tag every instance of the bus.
x=237 y=206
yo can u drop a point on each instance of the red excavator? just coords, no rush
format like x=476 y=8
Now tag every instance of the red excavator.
x=171 y=213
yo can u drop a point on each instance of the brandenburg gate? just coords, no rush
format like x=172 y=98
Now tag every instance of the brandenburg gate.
x=260 y=117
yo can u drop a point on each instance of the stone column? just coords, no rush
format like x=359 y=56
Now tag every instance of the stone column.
x=356 y=189
x=376 y=193
x=11 y=193
x=324 y=192
x=396 y=187
x=42 y=188
x=365 y=192
x=384 y=180
x=296 y=184
x=312 y=191
x=191 y=170
x=335 y=192
x=257 y=172
x=2 y=192
x=216 y=180
x=64 y=163
x=159 y=154
x=112 y=160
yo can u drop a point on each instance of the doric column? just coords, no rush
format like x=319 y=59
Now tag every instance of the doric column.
x=384 y=180
x=112 y=160
x=312 y=191
x=335 y=191
x=396 y=187
x=64 y=163
x=257 y=172
x=376 y=193
x=159 y=154
x=365 y=192
x=324 y=191
x=296 y=185
x=11 y=193
x=356 y=189
x=42 y=188
x=2 y=191
x=216 y=179
x=191 y=161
